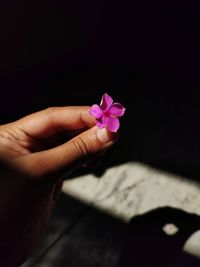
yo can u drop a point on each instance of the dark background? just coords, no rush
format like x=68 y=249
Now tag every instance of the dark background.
x=144 y=53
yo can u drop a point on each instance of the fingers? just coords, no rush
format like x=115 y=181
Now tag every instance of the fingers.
x=68 y=156
x=48 y=122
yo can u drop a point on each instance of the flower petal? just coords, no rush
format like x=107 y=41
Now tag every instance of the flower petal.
x=106 y=102
x=117 y=110
x=113 y=124
x=101 y=122
x=96 y=111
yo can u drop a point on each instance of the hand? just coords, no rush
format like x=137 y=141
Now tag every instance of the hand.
x=33 y=157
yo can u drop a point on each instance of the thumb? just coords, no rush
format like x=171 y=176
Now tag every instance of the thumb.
x=70 y=155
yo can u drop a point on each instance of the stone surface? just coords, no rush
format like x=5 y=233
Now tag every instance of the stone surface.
x=133 y=189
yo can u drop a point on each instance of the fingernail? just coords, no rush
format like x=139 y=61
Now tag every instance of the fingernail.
x=105 y=136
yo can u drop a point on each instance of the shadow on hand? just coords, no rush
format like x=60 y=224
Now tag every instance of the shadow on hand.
x=144 y=243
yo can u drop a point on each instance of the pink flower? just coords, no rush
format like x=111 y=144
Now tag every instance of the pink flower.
x=108 y=113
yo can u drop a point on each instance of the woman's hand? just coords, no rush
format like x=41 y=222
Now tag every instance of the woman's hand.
x=33 y=155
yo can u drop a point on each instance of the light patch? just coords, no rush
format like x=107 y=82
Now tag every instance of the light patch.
x=170 y=229
x=192 y=245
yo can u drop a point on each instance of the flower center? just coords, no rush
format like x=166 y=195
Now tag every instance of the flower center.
x=106 y=113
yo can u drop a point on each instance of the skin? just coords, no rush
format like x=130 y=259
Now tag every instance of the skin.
x=33 y=158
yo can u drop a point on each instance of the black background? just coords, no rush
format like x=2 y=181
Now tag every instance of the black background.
x=144 y=53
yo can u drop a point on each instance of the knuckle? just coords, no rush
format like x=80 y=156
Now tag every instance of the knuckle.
x=81 y=147
x=50 y=109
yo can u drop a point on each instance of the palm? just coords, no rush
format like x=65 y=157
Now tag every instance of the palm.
x=17 y=143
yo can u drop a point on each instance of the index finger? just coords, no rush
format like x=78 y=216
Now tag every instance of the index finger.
x=47 y=122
